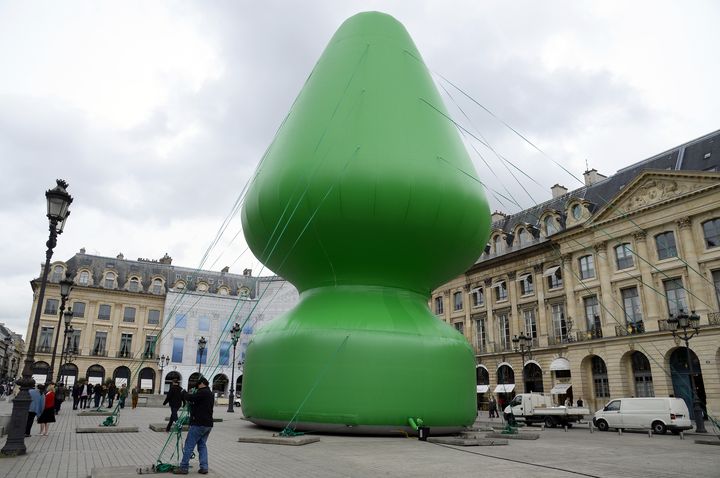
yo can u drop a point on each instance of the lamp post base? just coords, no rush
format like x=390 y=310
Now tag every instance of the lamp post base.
x=15 y=444
x=699 y=417
x=231 y=403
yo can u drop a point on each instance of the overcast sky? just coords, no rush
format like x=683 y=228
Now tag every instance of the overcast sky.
x=157 y=113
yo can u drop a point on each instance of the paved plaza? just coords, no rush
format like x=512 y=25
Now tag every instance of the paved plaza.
x=555 y=454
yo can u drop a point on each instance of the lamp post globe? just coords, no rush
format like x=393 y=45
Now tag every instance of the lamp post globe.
x=58 y=204
x=234 y=336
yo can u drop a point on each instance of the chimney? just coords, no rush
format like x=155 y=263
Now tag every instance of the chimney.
x=558 y=191
x=225 y=269
x=82 y=250
x=247 y=272
x=166 y=259
x=497 y=216
x=592 y=177
x=120 y=256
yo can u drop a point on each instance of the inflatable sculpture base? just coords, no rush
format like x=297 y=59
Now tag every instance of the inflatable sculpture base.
x=360 y=360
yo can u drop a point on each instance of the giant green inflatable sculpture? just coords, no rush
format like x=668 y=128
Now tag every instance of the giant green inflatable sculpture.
x=366 y=201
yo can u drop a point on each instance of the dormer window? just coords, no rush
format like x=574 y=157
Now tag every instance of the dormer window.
x=244 y=292
x=57 y=274
x=134 y=285
x=84 y=278
x=157 y=286
x=202 y=287
x=223 y=291
x=577 y=211
x=550 y=226
x=180 y=285
x=498 y=246
x=524 y=237
x=110 y=280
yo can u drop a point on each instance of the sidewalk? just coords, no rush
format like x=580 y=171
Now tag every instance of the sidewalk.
x=608 y=455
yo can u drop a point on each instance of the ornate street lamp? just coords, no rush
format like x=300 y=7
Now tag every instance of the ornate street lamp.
x=65 y=288
x=201 y=348
x=522 y=344
x=234 y=336
x=163 y=362
x=68 y=315
x=58 y=203
x=685 y=322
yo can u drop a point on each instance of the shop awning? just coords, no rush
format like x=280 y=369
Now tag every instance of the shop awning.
x=482 y=388
x=505 y=388
x=560 y=388
x=522 y=277
x=550 y=271
x=560 y=364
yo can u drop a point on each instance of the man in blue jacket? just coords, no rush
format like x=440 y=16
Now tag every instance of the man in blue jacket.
x=36 y=407
x=201 y=423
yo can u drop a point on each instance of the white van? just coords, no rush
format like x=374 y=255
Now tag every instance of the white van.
x=659 y=413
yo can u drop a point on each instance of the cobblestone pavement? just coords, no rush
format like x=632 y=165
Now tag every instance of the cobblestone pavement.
x=556 y=454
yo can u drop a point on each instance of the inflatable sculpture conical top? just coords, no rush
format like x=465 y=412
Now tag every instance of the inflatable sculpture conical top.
x=365 y=201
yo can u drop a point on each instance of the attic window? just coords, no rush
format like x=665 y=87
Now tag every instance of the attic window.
x=707 y=155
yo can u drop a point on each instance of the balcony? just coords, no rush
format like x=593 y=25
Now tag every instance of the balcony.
x=124 y=354
x=593 y=334
x=43 y=349
x=99 y=353
x=632 y=328
x=149 y=355
x=561 y=339
x=714 y=318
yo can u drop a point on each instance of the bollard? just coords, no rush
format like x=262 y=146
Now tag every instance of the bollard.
x=542 y=427
x=682 y=435
x=591 y=428
x=619 y=431
x=565 y=427
x=650 y=433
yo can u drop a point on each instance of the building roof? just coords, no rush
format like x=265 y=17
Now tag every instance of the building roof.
x=701 y=154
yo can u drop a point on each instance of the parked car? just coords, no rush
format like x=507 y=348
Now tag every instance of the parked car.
x=659 y=414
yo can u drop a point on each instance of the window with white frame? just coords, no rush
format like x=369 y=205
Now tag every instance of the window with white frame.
x=550 y=227
x=439 y=305
x=157 y=286
x=481 y=338
x=592 y=314
x=504 y=331
x=457 y=301
x=524 y=237
x=631 y=305
x=478 y=297
x=587 y=267
x=554 y=277
x=134 y=285
x=57 y=274
x=675 y=293
x=501 y=292
x=109 y=280
x=665 y=245
x=711 y=231
x=624 y=256
x=560 y=329
x=459 y=326
x=84 y=278
x=530 y=323
x=526 y=284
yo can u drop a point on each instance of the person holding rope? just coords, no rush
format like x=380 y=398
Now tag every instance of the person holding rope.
x=201 y=422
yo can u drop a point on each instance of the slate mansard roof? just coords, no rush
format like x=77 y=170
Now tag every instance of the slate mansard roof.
x=701 y=154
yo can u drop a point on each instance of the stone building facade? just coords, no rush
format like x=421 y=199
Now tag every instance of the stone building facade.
x=591 y=277
x=119 y=315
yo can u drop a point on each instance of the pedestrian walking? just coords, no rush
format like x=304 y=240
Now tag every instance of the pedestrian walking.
x=36 y=406
x=135 y=396
x=48 y=414
x=103 y=394
x=112 y=394
x=59 y=397
x=175 y=399
x=580 y=402
x=201 y=423
x=492 y=408
x=89 y=390
x=97 y=394
x=123 y=393
x=76 y=395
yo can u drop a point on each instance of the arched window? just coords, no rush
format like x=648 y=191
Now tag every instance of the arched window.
x=110 y=280
x=57 y=274
x=202 y=287
x=180 y=285
x=550 y=227
x=498 y=247
x=533 y=378
x=524 y=237
x=642 y=375
x=134 y=285
x=96 y=374
x=84 y=278
x=600 y=378
x=146 y=380
x=157 y=286
x=505 y=374
x=223 y=291
x=482 y=376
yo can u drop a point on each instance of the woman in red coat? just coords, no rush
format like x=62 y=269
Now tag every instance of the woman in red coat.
x=48 y=415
